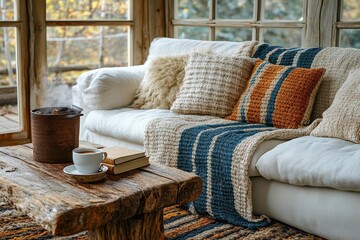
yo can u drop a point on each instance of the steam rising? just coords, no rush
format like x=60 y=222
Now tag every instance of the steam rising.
x=58 y=95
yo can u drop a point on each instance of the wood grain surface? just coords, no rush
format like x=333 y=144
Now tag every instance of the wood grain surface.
x=64 y=206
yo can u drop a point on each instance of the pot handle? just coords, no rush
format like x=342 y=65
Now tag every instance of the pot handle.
x=77 y=107
x=74 y=115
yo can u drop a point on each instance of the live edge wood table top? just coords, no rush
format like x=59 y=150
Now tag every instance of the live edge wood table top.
x=126 y=206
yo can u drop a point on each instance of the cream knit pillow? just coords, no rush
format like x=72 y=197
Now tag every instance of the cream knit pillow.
x=342 y=118
x=161 y=83
x=212 y=84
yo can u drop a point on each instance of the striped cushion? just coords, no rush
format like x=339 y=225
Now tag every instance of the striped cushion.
x=297 y=57
x=212 y=84
x=338 y=62
x=279 y=96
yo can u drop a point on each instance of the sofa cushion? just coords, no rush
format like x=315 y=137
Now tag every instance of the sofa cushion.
x=342 y=119
x=161 y=83
x=280 y=96
x=124 y=124
x=161 y=47
x=212 y=84
x=314 y=161
x=337 y=61
x=110 y=88
x=126 y=127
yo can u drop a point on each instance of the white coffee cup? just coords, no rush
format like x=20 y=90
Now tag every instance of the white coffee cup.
x=87 y=160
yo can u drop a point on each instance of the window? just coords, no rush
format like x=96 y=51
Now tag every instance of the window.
x=277 y=22
x=14 y=98
x=83 y=35
x=348 y=26
x=316 y=23
x=46 y=44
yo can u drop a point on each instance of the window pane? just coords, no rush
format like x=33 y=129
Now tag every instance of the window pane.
x=349 y=38
x=283 y=10
x=238 y=9
x=86 y=10
x=9 y=120
x=199 y=33
x=7 y=10
x=73 y=50
x=233 y=34
x=195 y=9
x=351 y=10
x=286 y=37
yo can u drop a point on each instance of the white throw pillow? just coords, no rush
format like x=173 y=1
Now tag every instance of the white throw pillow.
x=110 y=88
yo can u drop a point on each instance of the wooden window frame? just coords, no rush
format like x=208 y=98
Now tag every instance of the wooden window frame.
x=321 y=22
x=22 y=57
x=255 y=24
x=39 y=57
x=341 y=24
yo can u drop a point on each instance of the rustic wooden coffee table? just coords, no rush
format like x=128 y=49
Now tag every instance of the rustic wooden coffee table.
x=127 y=206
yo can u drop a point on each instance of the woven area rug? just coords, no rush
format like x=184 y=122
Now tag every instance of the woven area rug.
x=179 y=224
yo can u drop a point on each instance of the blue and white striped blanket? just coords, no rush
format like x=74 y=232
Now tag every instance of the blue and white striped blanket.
x=220 y=151
x=207 y=150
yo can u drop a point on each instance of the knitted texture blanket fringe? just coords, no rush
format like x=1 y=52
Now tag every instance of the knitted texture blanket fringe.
x=220 y=151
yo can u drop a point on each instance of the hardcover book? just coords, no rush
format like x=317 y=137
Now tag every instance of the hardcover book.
x=127 y=166
x=116 y=155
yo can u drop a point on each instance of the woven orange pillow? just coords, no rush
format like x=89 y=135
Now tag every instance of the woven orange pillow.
x=279 y=96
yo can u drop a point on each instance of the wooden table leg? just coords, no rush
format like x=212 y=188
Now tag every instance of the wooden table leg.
x=146 y=226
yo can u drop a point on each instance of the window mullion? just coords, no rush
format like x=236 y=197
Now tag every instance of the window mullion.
x=305 y=13
x=20 y=134
x=257 y=18
x=212 y=18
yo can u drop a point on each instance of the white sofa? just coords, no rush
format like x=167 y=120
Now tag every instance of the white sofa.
x=324 y=201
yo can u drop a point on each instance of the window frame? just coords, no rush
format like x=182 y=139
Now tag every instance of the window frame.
x=342 y=24
x=22 y=65
x=135 y=55
x=32 y=60
x=321 y=23
x=256 y=24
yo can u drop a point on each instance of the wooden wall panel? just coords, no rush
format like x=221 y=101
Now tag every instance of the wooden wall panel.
x=37 y=15
x=149 y=22
x=321 y=23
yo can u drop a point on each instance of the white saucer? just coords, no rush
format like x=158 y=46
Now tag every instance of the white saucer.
x=81 y=177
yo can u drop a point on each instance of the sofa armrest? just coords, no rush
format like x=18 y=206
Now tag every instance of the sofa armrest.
x=108 y=88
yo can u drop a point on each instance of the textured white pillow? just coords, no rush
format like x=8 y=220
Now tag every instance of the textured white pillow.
x=342 y=118
x=161 y=83
x=212 y=84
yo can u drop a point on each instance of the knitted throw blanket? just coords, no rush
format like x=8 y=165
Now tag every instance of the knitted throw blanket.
x=220 y=152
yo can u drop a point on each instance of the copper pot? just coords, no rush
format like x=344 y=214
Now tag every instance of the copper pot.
x=55 y=133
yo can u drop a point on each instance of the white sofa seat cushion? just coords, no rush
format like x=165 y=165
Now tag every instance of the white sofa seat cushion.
x=115 y=127
x=314 y=161
x=125 y=124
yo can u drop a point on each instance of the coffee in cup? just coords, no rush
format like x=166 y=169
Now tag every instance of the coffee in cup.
x=87 y=160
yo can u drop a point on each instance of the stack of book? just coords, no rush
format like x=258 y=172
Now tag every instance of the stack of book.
x=121 y=159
